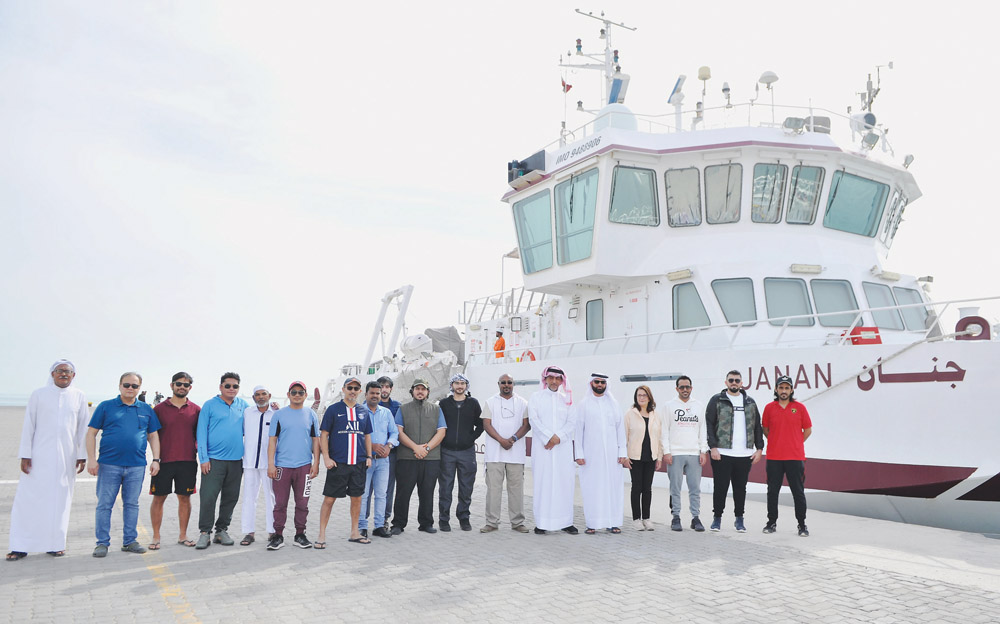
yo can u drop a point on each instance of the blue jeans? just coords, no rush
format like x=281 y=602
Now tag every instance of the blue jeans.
x=376 y=482
x=109 y=480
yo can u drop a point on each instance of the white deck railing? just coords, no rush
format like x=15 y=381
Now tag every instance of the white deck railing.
x=501 y=305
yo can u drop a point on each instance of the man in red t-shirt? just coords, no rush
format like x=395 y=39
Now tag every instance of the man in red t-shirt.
x=787 y=426
x=178 y=451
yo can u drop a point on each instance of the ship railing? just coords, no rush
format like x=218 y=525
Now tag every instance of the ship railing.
x=501 y=305
x=652 y=342
x=748 y=114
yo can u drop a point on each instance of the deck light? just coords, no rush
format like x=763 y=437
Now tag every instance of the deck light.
x=808 y=269
x=907 y=161
x=793 y=125
x=869 y=140
x=725 y=94
x=889 y=276
x=673 y=276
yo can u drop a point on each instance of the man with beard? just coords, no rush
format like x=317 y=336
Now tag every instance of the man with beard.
x=601 y=452
x=52 y=453
x=384 y=439
x=463 y=419
x=552 y=467
x=256 y=431
x=505 y=419
x=736 y=440
x=179 y=460
x=787 y=426
x=421 y=429
x=393 y=406
x=685 y=448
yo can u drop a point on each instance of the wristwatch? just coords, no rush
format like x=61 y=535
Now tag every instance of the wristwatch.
x=427 y=448
x=156 y=459
x=515 y=437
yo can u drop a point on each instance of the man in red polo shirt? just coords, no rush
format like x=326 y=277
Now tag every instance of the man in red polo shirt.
x=787 y=426
x=178 y=451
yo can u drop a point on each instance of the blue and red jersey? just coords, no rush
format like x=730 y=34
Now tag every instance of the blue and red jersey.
x=347 y=427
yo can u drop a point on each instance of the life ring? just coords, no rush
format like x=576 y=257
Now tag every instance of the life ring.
x=527 y=354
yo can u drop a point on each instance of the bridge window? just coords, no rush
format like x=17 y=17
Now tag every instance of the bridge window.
x=787 y=297
x=736 y=299
x=723 y=185
x=879 y=296
x=834 y=296
x=595 y=319
x=915 y=317
x=806 y=185
x=689 y=311
x=683 y=197
x=633 y=197
x=768 y=192
x=855 y=204
x=576 y=203
x=533 y=222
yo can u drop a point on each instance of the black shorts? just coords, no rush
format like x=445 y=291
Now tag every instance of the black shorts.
x=345 y=480
x=180 y=477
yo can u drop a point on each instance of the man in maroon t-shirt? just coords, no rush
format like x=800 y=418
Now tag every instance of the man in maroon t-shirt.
x=178 y=454
x=787 y=426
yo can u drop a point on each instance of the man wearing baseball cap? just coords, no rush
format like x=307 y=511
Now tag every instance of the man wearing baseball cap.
x=421 y=429
x=292 y=463
x=787 y=426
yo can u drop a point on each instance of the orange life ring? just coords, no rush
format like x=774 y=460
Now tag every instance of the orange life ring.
x=528 y=354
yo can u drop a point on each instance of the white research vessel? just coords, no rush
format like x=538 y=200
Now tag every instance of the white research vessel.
x=752 y=237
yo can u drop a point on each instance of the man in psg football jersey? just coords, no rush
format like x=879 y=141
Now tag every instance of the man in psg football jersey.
x=346 y=444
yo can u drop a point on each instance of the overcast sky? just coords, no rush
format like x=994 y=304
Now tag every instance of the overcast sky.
x=216 y=186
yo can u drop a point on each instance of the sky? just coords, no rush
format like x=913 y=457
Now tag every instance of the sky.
x=213 y=186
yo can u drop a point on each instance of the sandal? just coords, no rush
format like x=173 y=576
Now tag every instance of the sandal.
x=247 y=539
x=56 y=553
x=319 y=545
x=15 y=555
x=590 y=531
x=154 y=546
x=360 y=540
x=615 y=530
x=187 y=542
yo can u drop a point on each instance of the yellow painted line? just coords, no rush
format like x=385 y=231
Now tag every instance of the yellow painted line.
x=170 y=590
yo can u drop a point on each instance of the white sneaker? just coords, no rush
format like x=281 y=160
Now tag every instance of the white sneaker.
x=648 y=524
x=639 y=525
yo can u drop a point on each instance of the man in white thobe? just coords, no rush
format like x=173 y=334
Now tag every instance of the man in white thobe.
x=552 y=466
x=52 y=453
x=600 y=452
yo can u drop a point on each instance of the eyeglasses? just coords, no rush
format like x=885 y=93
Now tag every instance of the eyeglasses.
x=296 y=392
x=683 y=387
x=354 y=388
x=182 y=384
x=63 y=371
x=506 y=383
x=733 y=380
x=231 y=386
x=131 y=386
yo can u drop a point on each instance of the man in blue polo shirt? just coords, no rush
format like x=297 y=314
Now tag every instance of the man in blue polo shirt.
x=220 y=451
x=385 y=438
x=292 y=463
x=346 y=445
x=126 y=424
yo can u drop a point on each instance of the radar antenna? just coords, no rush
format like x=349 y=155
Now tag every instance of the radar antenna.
x=615 y=82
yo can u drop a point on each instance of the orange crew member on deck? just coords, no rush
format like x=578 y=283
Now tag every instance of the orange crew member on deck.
x=500 y=344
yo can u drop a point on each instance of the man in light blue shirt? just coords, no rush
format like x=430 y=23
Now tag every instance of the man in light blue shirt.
x=385 y=437
x=220 y=451
x=292 y=464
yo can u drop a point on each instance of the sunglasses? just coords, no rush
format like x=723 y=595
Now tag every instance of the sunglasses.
x=182 y=384
x=733 y=380
x=231 y=386
x=506 y=383
x=296 y=392
x=354 y=388
x=131 y=386
x=683 y=387
x=599 y=381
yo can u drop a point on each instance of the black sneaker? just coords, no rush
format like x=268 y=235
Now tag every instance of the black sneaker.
x=396 y=530
x=539 y=531
x=275 y=542
x=572 y=530
x=675 y=524
x=429 y=529
x=364 y=532
x=302 y=541
x=465 y=524
x=697 y=525
x=770 y=527
x=381 y=532
x=803 y=531
x=444 y=526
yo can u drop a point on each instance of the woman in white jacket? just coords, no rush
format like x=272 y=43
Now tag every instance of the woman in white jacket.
x=645 y=452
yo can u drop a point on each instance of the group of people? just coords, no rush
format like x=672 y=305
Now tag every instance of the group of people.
x=376 y=451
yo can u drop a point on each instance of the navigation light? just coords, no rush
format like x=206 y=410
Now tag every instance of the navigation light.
x=907 y=161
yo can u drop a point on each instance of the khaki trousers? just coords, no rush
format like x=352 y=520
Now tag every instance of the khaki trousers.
x=495 y=474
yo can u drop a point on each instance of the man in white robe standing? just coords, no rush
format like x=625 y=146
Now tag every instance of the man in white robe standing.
x=552 y=466
x=601 y=451
x=52 y=454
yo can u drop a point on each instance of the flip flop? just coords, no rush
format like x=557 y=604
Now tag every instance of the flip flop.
x=590 y=531
x=247 y=540
x=188 y=543
x=360 y=540
x=319 y=545
x=16 y=555
x=153 y=546
x=56 y=553
x=615 y=530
